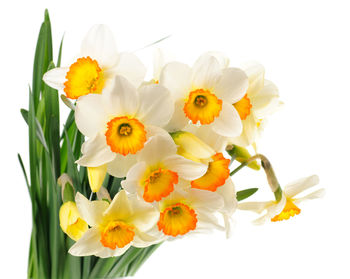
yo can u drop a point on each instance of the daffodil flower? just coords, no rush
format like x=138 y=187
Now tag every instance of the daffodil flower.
x=159 y=169
x=71 y=221
x=216 y=178
x=288 y=205
x=188 y=211
x=97 y=64
x=260 y=101
x=114 y=227
x=120 y=122
x=204 y=95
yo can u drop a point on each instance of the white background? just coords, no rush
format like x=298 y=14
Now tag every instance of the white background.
x=304 y=46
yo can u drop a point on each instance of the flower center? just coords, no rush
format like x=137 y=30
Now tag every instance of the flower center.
x=216 y=175
x=84 y=77
x=202 y=106
x=177 y=219
x=288 y=211
x=125 y=135
x=117 y=234
x=243 y=107
x=159 y=184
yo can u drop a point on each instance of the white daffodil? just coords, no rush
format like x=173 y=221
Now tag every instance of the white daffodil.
x=97 y=64
x=119 y=123
x=260 y=101
x=217 y=177
x=114 y=227
x=287 y=206
x=159 y=169
x=191 y=210
x=204 y=95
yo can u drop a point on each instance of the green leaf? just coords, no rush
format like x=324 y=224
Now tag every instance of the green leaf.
x=124 y=261
x=242 y=195
x=43 y=56
x=39 y=130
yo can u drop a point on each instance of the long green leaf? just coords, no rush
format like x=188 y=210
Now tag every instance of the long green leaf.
x=43 y=56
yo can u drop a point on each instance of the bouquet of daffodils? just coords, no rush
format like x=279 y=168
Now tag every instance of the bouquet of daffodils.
x=139 y=162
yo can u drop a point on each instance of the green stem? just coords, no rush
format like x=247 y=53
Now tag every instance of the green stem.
x=270 y=174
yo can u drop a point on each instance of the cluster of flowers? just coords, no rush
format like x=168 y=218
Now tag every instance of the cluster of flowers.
x=167 y=138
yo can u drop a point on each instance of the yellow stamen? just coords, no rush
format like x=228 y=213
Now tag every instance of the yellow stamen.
x=159 y=184
x=243 y=107
x=202 y=106
x=125 y=135
x=177 y=219
x=84 y=77
x=216 y=175
x=117 y=234
x=288 y=211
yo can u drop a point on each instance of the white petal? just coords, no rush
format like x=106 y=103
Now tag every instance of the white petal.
x=228 y=193
x=207 y=220
x=232 y=85
x=142 y=240
x=296 y=187
x=56 y=78
x=121 y=98
x=91 y=211
x=121 y=164
x=228 y=124
x=255 y=73
x=314 y=195
x=103 y=194
x=96 y=152
x=99 y=44
x=88 y=244
x=156 y=149
x=223 y=60
x=177 y=78
x=206 y=70
x=205 y=200
x=90 y=115
x=131 y=67
x=156 y=105
x=266 y=101
x=249 y=133
x=152 y=131
x=179 y=119
x=120 y=207
x=132 y=182
x=144 y=216
x=185 y=168
x=257 y=207
x=108 y=253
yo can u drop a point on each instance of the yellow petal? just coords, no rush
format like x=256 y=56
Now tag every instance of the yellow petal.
x=71 y=222
x=96 y=176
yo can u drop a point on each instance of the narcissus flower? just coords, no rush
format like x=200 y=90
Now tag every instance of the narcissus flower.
x=204 y=95
x=97 y=63
x=71 y=221
x=160 y=169
x=288 y=205
x=119 y=123
x=114 y=227
x=185 y=211
x=260 y=101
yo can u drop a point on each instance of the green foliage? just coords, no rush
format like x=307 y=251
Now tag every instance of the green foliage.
x=244 y=194
x=51 y=153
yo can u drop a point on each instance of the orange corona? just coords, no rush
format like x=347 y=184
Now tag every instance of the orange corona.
x=159 y=184
x=117 y=234
x=289 y=210
x=84 y=77
x=177 y=219
x=243 y=107
x=202 y=106
x=125 y=135
x=216 y=175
